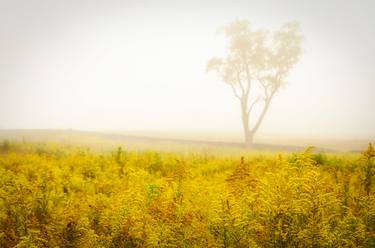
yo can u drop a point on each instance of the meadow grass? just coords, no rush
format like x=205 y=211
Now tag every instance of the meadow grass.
x=54 y=195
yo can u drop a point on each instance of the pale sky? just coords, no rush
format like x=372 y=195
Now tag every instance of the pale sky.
x=140 y=65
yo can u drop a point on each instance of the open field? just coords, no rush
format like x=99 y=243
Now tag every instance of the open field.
x=229 y=124
x=54 y=195
x=164 y=141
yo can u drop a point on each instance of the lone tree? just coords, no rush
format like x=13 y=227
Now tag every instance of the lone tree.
x=256 y=67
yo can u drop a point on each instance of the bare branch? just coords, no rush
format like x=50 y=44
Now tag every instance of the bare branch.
x=253 y=104
x=248 y=78
x=265 y=88
x=239 y=80
x=260 y=119
x=264 y=111
x=235 y=92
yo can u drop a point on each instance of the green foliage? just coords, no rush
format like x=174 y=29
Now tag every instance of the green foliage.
x=59 y=197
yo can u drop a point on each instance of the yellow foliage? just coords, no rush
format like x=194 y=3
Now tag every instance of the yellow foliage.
x=76 y=198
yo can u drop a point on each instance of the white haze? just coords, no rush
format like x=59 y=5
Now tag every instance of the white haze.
x=140 y=65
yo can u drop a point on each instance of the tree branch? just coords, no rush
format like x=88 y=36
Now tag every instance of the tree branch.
x=235 y=92
x=267 y=100
x=265 y=88
x=253 y=104
x=260 y=119
x=264 y=111
x=239 y=80
x=248 y=78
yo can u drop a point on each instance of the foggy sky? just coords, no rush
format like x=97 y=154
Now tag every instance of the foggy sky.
x=140 y=65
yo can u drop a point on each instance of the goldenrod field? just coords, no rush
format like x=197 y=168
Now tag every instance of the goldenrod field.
x=55 y=196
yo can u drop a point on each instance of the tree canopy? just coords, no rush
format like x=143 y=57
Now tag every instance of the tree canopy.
x=256 y=66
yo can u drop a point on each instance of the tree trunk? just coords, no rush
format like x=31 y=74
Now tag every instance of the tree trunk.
x=248 y=135
x=249 y=140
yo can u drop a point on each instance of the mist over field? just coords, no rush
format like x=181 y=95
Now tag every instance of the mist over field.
x=171 y=123
x=141 y=66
